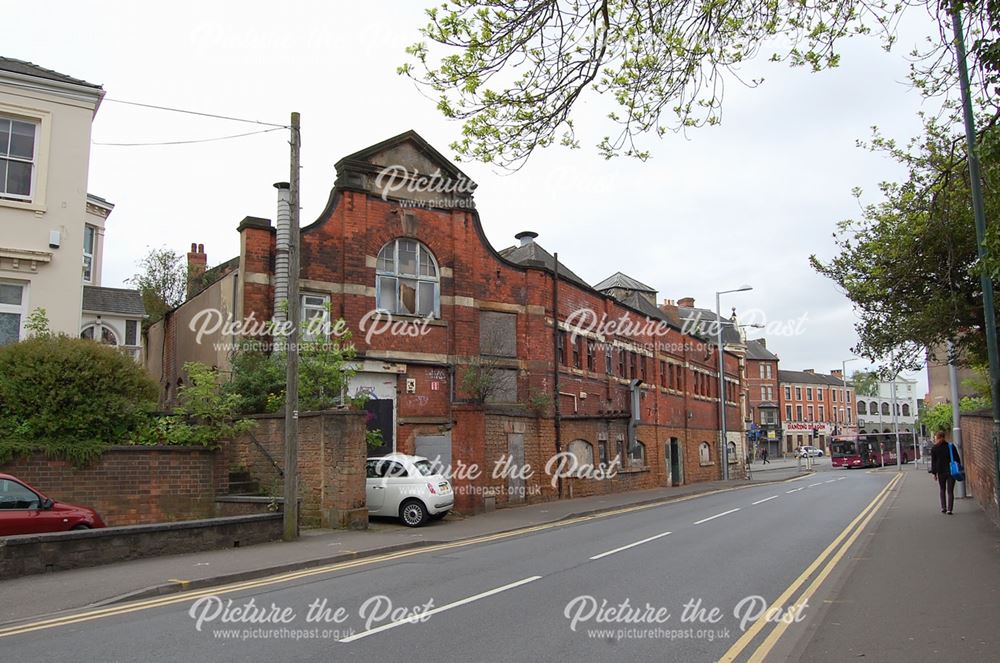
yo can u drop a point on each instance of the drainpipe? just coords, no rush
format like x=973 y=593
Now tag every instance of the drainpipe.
x=555 y=357
x=634 y=413
x=283 y=242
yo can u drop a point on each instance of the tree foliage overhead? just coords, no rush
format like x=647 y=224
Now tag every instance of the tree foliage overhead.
x=865 y=383
x=910 y=263
x=162 y=282
x=513 y=70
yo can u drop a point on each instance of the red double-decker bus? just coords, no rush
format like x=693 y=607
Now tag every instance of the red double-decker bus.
x=871 y=449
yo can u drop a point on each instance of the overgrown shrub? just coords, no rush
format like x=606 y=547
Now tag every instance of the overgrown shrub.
x=258 y=378
x=204 y=415
x=69 y=397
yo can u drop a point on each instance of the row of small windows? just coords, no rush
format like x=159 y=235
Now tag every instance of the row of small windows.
x=818 y=414
x=809 y=394
x=583 y=452
x=873 y=408
x=579 y=352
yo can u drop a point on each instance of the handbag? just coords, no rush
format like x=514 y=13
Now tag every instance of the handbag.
x=957 y=473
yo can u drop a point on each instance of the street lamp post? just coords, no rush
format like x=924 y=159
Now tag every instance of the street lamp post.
x=722 y=377
x=843 y=380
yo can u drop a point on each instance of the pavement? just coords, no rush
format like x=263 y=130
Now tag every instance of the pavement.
x=865 y=558
x=671 y=581
x=33 y=596
x=922 y=586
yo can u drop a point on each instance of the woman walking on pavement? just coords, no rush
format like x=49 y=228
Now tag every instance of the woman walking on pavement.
x=942 y=453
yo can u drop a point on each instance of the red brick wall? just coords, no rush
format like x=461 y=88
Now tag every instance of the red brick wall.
x=980 y=463
x=337 y=258
x=331 y=467
x=130 y=485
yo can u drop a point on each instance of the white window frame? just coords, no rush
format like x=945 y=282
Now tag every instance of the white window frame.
x=768 y=371
x=306 y=306
x=88 y=269
x=39 y=175
x=383 y=275
x=21 y=309
x=105 y=328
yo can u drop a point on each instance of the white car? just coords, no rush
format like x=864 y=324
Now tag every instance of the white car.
x=808 y=451
x=408 y=488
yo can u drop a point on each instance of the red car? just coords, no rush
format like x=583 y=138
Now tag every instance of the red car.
x=24 y=510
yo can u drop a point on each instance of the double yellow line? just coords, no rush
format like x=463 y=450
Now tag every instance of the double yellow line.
x=844 y=540
x=125 y=608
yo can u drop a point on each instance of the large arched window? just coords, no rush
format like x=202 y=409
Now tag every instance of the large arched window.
x=406 y=280
x=885 y=408
x=862 y=408
x=906 y=409
x=873 y=407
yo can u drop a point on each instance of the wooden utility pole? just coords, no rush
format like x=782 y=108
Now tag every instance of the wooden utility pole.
x=291 y=512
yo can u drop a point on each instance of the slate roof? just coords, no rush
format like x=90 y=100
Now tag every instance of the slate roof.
x=365 y=155
x=757 y=350
x=533 y=255
x=705 y=324
x=797 y=377
x=112 y=300
x=623 y=281
x=31 y=69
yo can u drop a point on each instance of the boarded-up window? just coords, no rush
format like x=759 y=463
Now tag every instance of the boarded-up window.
x=497 y=334
x=583 y=451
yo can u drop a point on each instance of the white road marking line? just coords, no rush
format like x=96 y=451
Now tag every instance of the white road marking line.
x=772 y=497
x=841 y=478
x=795 y=490
x=830 y=481
x=718 y=515
x=448 y=606
x=631 y=545
x=815 y=484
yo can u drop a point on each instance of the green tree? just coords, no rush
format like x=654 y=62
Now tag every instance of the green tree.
x=865 y=383
x=162 y=282
x=258 y=378
x=513 y=71
x=909 y=263
x=69 y=397
x=938 y=418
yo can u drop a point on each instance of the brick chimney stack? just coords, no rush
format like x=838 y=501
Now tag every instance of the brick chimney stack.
x=197 y=262
x=686 y=302
x=837 y=373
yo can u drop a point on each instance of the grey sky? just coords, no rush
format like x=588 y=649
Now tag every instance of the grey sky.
x=745 y=202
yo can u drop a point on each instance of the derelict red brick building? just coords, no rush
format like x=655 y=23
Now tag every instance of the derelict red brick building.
x=494 y=359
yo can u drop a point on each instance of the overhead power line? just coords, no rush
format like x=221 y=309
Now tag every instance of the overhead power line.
x=189 y=142
x=199 y=113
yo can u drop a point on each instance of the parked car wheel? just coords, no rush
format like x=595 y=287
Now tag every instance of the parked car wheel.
x=413 y=513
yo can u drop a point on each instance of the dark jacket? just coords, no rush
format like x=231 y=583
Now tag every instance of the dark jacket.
x=941 y=460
